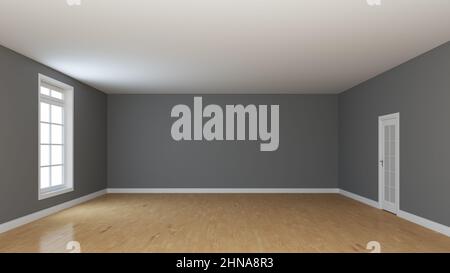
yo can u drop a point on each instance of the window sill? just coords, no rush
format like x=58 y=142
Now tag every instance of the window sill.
x=45 y=195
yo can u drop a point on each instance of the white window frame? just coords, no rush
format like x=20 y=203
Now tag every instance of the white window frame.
x=68 y=105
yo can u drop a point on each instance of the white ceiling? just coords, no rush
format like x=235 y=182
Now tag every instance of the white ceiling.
x=223 y=46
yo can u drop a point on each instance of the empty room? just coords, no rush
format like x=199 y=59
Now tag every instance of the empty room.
x=222 y=126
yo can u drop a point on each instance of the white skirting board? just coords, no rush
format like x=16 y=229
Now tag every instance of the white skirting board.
x=43 y=213
x=361 y=199
x=402 y=214
x=46 y=212
x=222 y=190
x=424 y=222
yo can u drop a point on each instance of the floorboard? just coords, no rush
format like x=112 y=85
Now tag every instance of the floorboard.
x=222 y=223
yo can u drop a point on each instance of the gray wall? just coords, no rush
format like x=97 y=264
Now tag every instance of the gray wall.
x=19 y=137
x=142 y=153
x=420 y=91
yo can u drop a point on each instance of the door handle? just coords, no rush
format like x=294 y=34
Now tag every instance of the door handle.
x=382 y=163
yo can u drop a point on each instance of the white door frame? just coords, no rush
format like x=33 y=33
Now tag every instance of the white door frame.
x=396 y=117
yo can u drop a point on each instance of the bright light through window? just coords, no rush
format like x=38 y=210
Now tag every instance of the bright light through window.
x=55 y=137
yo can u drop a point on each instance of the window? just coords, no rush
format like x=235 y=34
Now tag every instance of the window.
x=55 y=137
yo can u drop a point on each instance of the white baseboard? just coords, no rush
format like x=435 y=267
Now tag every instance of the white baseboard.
x=43 y=213
x=222 y=190
x=402 y=214
x=424 y=222
x=360 y=198
x=46 y=212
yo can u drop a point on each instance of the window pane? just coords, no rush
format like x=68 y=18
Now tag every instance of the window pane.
x=57 y=134
x=392 y=195
x=45 y=112
x=386 y=194
x=57 y=114
x=57 y=155
x=45 y=155
x=392 y=179
x=45 y=133
x=57 y=95
x=45 y=91
x=45 y=177
x=57 y=177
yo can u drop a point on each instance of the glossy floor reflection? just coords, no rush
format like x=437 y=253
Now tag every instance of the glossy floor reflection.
x=222 y=223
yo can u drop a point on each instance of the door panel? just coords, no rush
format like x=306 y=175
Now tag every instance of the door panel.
x=389 y=162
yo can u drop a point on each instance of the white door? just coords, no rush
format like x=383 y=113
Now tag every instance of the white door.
x=389 y=162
